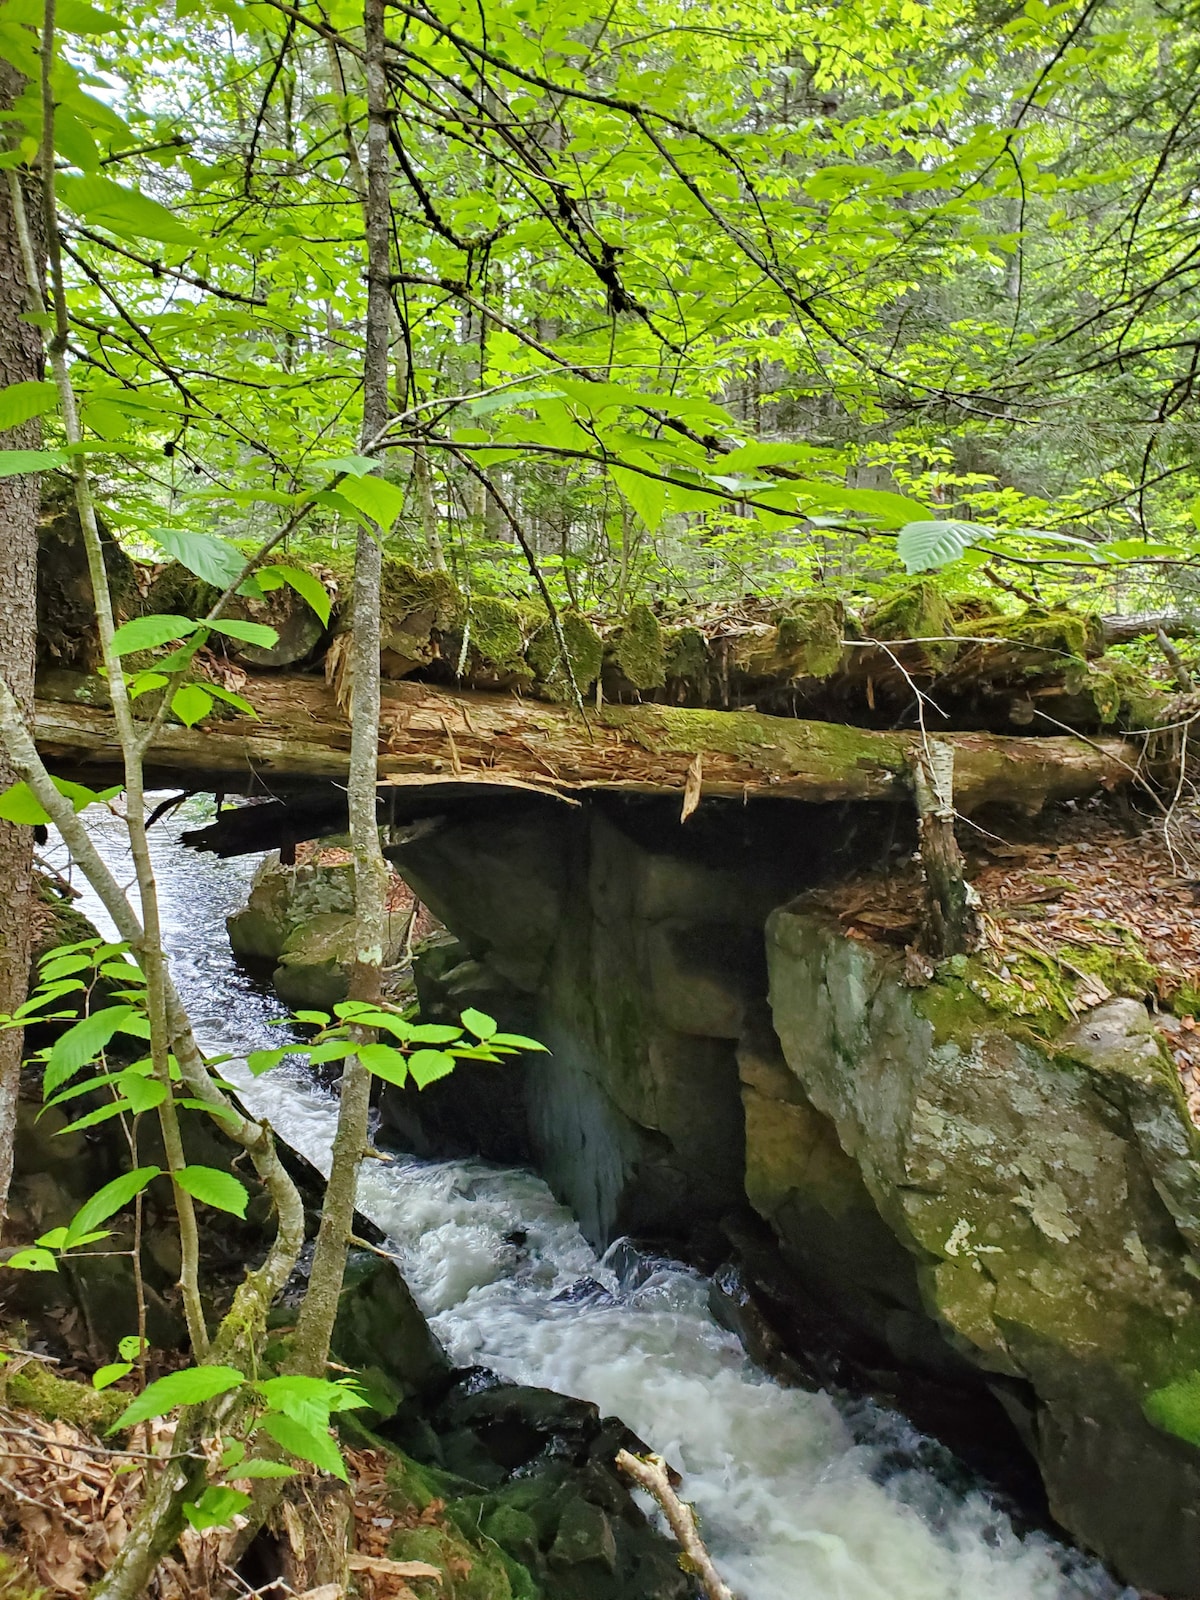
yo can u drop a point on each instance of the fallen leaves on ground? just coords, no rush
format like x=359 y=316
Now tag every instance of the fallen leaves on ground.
x=67 y=1502
x=1069 y=879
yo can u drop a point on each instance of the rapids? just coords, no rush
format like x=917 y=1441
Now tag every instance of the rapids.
x=803 y=1496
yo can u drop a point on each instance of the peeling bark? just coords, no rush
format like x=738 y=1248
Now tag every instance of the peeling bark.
x=428 y=734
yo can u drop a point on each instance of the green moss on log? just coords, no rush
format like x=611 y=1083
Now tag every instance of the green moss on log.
x=638 y=650
x=500 y=630
x=811 y=632
x=33 y=1386
x=584 y=651
x=918 y=611
x=1057 y=631
x=686 y=660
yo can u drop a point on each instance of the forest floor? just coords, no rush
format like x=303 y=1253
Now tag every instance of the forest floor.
x=67 y=1501
x=1091 y=877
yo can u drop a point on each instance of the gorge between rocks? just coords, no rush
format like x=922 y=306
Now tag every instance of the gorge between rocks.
x=802 y=1493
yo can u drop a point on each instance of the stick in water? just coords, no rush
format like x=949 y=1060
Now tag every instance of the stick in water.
x=650 y=1473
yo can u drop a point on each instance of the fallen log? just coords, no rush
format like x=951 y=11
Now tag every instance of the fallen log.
x=430 y=735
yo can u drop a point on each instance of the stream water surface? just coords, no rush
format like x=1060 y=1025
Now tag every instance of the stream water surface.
x=802 y=1497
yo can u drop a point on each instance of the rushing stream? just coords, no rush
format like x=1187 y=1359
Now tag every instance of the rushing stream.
x=801 y=1498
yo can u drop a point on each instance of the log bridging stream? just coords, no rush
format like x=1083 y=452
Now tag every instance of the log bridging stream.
x=431 y=735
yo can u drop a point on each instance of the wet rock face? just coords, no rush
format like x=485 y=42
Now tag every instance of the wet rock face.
x=1046 y=1198
x=634 y=967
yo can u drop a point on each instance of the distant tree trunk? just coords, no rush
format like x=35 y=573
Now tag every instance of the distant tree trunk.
x=20 y=361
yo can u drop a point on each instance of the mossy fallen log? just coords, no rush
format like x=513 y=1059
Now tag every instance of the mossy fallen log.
x=810 y=654
x=428 y=734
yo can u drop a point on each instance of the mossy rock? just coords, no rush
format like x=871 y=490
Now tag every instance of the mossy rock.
x=585 y=652
x=637 y=650
x=1044 y=1180
x=1044 y=991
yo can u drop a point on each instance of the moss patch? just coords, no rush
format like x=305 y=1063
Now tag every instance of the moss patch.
x=32 y=1385
x=1041 y=989
x=686 y=659
x=584 y=651
x=638 y=650
x=918 y=611
x=811 y=633
x=499 y=633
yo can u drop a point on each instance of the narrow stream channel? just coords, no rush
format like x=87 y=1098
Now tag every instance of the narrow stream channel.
x=802 y=1497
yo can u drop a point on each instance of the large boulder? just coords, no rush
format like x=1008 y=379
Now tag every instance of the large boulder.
x=1044 y=1196
x=300 y=920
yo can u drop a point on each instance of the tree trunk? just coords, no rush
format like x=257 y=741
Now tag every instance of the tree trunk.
x=951 y=905
x=20 y=361
x=314 y=1327
x=462 y=739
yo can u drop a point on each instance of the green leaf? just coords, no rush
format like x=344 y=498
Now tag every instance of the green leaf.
x=264 y=1469
x=216 y=1507
x=647 y=496
x=105 y=1113
x=307 y=1444
x=380 y=500
x=191 y=704
x=306 y=584
x=147 y=633
x=190 y=1387
x=248 y=632
x=427 y=1066
x=111 y=1198
x=206 y=554
x=143 y=1094
x=334 y=1050
x=20 y=402
x=309 y=1400
x=925 y=546
x=432 y=1033
x=384 y=1061
x=82 y=1044
x=214 y=1188
x=14 y=463
x=57 y=1237
x=479 y=1023
x=126 y=212
x=355 y=466
x=19 y=805
x=106 y=1375
x=31 y=1260
x=319 y=1018
x=131 y=1347
x=239 y=702
x=260 y=1061
x=74 y=16
x=518 y=1041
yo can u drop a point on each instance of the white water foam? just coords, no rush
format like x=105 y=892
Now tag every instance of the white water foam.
x=795 y=1505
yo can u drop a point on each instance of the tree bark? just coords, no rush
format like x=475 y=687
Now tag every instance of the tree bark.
x=21 y=361
x=462 y=738
x=314 y=1328
x=951 y=906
